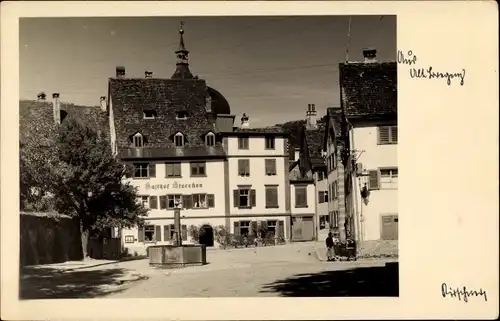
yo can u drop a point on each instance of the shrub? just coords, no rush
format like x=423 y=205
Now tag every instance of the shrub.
x=194 y=232
x=222 y=235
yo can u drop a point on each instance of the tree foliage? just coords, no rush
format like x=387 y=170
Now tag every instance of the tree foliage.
x=75 y=165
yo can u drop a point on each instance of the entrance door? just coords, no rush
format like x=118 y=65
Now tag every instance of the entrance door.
x=206 y=235
x=303 y=228
x=389 y=230
x=307 y=228
x=297 y=228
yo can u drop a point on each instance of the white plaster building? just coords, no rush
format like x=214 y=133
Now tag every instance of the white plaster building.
x=369 y=104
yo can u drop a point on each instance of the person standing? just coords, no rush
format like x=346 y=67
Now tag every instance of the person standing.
x=329 y=247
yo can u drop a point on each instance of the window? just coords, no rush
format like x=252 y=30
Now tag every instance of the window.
x=271 y=226
x=300 y=196
x=198 y=169
x=334 y=190
x=153 y=202
x=163 y=202
x=138 y=140
x=244 y=197
x=210 y=139
x=144 y=200
x=173 y=170
x=149 y=233
x=389 y=178
x=269 y=142
x=270 y=167
x=144 y=170
x=173 y=200
x=272 y=197
x=129 y=239
x=242 y=142
x=181 y=115
x=323 y=197
x=387 y=135
x=335 y=219
x=179 y=140
x=244 y=228
x=243 y=167
x=200 y=201
x=150 y=114
x=321 y=175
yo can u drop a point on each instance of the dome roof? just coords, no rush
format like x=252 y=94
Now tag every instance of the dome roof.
x=219 y=103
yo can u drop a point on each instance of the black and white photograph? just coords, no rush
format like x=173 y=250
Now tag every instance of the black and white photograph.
x=208 y=157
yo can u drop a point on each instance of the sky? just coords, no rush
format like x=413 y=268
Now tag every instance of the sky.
x=270 y=68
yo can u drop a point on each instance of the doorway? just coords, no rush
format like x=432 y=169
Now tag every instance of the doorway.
x=206 y=236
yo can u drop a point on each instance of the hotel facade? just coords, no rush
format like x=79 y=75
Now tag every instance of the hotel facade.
x=179 y=138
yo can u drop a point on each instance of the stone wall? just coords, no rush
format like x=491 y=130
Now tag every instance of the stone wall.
x=48 y=238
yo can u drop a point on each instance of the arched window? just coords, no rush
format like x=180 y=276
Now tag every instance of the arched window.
x=179 y=140
x=138 y=140
x=210 y=139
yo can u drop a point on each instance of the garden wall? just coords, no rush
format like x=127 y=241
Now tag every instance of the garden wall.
x=48 y=238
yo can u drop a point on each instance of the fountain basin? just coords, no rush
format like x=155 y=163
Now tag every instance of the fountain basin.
x=169 y=256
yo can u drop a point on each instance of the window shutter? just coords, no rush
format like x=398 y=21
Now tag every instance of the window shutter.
x=152 y=169
x=236 y=198
x=184 y=232
x=211 y=200
x=140 y=235
x=166 y=232
x=247 y=167
x=268 y=166
x=177 y=169
x=281 y=229
x=374 y=179
x=253 y=200
x=394 y=134
x=241 y=167
x=153 y=202
x=187 y=201
x=321 y=197
x=163 y=202
x=169 y=170
x=268 y=196
x=157 y=233
x=236 y=231
x=273 y=167
x=383 y=135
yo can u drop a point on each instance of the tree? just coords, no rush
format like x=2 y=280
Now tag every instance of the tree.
x=69 y=168
x=87 y=183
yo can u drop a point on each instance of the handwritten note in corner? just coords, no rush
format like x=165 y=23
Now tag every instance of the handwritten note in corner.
x=428 y=72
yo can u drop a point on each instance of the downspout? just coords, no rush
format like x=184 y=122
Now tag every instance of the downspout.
x=355 y=179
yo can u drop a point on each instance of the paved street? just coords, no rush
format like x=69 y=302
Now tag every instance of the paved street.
x=289 y=270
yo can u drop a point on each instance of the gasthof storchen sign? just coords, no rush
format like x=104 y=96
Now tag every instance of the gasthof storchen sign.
x=174 y=185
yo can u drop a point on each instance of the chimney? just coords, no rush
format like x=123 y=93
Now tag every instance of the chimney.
x=41 y=96
x=148 y=74
x=103 y=104
x=120 y=72
x=370 y=55
x=244 y=121
x=56 y=108
x=311 y=117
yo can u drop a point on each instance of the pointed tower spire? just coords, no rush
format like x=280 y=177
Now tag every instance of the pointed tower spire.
x=182 y=71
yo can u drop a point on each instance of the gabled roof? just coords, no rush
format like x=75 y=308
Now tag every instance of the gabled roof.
x=368 y=90
x=335 y=123
x=130 y=96
x=36 y=117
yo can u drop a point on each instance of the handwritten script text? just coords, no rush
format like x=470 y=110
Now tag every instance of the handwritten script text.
x=461 y=293
x=429 y=72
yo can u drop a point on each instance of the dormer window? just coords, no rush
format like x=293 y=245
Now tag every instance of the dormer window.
x=210 y=139
x=179 y=140
x=138 y=140
x=181 y=115
x=149 y=114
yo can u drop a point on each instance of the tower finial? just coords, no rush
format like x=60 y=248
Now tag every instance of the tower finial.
x=182 y=71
